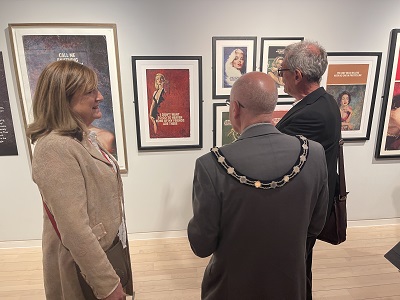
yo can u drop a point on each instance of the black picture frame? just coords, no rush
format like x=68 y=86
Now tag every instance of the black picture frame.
x=386 y=146
x=223 y=132
x=272 y=53
x=224 y=50
x=174 y=120
x=355 y=76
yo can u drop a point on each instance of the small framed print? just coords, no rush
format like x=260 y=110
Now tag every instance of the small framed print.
x=222 y=128
x=388 y=141
x=168 y=102
x=8 y=143
x=36 y=45
x=231 y=58
x=352 y=79
x=223 y=132
x=272 y=55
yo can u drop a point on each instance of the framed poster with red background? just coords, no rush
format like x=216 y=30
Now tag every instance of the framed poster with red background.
x=168 y=102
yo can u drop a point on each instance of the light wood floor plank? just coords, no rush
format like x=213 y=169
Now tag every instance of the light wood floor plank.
x=166 y=269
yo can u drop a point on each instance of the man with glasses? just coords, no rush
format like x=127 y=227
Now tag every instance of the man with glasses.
x=256 y=200
x=315 y=114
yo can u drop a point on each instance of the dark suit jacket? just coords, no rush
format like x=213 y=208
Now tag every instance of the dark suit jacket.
x=317 y=117
x=257 y=237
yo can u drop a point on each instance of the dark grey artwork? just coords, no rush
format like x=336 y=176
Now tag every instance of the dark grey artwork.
x=8 y=145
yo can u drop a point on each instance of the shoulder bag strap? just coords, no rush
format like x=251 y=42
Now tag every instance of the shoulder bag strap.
x=51 y=217
x=342 y=179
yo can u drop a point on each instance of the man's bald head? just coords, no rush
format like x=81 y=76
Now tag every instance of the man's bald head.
x=256 y=91
x=253 y=100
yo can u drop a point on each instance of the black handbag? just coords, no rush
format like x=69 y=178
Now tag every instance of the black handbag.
x=334 y=231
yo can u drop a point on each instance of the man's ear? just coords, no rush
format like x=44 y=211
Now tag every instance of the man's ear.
x=298 y=76
x=235 y=109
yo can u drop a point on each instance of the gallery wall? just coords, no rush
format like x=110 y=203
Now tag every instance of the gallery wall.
x=158 y=184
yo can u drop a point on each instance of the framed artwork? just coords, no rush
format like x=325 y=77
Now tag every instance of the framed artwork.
x=223 y=132
x=388 y=141
x=231 y=58
x=8 y=144
x=36 y=45
x=352 y=79
x=272 y=54
x=168 y=101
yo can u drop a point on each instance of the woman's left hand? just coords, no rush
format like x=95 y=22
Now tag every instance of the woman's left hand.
x=118 y=294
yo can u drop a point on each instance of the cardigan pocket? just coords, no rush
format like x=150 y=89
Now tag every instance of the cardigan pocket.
x=99 y=231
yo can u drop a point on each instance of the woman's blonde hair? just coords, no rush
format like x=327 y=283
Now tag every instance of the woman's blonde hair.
x=275 y=61
x=231 y=58
x=56 y=85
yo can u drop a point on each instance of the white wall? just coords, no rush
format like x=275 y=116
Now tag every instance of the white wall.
x=158 y=184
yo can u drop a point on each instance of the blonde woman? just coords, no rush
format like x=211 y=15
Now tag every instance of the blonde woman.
x=235 y=66
x=80 y=184
x=157 y=99
x=273 y=71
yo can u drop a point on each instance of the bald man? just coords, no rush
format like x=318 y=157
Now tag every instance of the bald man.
x=255 y=201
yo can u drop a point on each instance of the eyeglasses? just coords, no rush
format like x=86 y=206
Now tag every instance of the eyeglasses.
x=228 y=103
x=280 y=72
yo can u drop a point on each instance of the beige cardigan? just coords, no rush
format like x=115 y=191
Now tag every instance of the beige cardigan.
x=83 y=193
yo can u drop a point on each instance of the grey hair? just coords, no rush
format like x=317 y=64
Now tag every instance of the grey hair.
x=309 y=58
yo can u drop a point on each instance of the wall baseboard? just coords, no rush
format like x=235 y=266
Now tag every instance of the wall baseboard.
x=183 y=233
x=377 y=222
x=157 y=235
x=21 y=244
x=131 y=237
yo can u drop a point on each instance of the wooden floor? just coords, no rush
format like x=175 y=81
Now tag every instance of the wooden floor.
x=167 y=269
